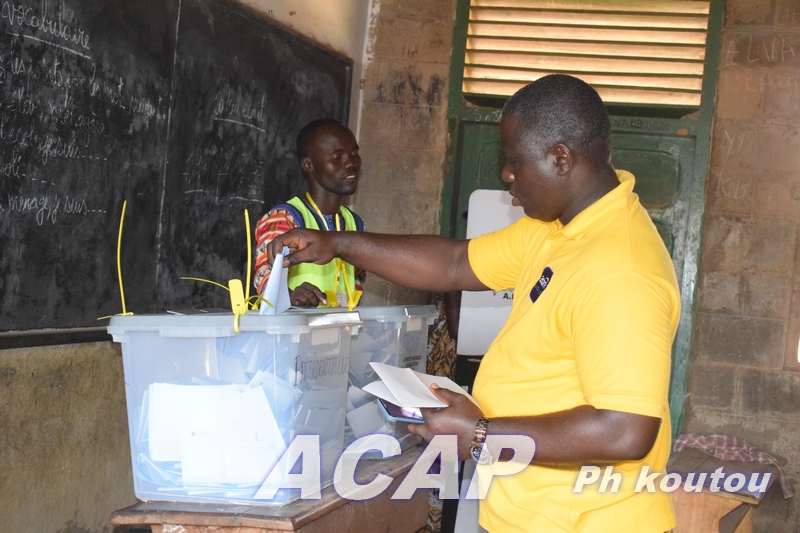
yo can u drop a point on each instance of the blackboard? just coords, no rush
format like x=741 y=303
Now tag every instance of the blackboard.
x=186 y=109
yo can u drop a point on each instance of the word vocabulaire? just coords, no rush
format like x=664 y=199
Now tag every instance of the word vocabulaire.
x=694 y=482
x=305 y=450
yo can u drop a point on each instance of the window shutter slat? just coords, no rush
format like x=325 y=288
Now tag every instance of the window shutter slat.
x=523 y=76
x=631 y=51
x=649 y=6
x=631 y=96
x=585 y=48
x=584 y=64
x=622 y=20
x=577 y=33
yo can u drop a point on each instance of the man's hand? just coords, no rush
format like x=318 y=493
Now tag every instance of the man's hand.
x=307 y=295
x=305 y=246
x=458 y=419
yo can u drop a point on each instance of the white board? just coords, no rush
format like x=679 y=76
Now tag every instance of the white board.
x=483 y=313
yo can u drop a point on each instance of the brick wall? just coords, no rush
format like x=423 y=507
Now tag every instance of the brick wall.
x=403 y=133
x=744 y=377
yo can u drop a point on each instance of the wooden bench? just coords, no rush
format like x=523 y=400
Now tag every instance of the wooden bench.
x=712 y=512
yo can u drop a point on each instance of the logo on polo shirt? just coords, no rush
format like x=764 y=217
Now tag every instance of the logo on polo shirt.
x=541 y=285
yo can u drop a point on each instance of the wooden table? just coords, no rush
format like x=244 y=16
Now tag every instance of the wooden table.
x=329 y=513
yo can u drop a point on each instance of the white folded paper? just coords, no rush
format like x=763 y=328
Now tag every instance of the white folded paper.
x=277 y=290
x=408 y=388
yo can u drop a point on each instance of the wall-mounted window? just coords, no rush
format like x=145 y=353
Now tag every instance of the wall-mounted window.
x=641 y=52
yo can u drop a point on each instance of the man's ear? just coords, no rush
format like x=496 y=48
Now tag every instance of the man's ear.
x=306 y=165
x=563 y=159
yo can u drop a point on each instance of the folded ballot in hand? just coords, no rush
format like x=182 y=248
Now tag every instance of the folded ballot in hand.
x=408 y=388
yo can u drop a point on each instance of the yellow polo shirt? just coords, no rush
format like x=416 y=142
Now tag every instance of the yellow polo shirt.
x=599 y=332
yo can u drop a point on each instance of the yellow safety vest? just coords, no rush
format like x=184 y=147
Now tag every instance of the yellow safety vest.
x=321 y=276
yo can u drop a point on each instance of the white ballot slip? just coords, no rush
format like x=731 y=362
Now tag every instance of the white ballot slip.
x=277 y=290
x=408 y=388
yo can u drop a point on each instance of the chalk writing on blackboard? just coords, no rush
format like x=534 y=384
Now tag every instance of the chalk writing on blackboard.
x=185 y=109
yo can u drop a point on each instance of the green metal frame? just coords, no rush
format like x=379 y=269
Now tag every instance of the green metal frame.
x=624 y=120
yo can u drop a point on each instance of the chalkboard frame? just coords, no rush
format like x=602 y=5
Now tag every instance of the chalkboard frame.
x=57 y=336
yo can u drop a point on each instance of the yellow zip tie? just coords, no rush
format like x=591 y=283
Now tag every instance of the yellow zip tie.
x=248 y=273
x=238 y=297
x=206 y=281
x=257 y=299
x=119 y=263
x=353 y=296
x=238 y=305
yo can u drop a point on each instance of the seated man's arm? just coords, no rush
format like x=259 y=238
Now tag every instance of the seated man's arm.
x=269 y=226
x=277 y=222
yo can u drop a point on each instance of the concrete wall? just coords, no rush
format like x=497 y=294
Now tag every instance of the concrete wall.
x=64 y=448
x=403 y=134
x=744 y=378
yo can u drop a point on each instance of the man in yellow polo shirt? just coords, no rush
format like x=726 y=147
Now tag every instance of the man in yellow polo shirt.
x=582 y=363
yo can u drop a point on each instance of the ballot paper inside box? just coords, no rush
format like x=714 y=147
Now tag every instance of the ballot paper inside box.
x=211 y=410
x=393 y=335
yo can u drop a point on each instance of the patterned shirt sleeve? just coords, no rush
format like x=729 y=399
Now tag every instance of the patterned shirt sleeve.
x=276 y=222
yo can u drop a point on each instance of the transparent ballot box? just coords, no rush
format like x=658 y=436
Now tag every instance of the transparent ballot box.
x=394 y=335
x=211 y=410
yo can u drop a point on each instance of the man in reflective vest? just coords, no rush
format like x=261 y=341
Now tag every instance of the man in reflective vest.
x=327 y=152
